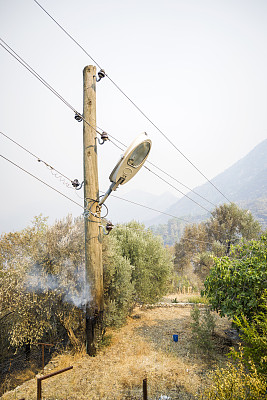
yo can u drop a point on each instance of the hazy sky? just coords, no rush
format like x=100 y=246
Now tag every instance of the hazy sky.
x=197 y=68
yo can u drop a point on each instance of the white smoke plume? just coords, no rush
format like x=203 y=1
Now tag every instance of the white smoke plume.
x=70 y=283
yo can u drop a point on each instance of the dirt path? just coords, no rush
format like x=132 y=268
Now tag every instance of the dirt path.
x=144 y=348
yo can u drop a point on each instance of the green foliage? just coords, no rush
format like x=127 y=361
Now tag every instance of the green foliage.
x=169 y=232
x=118 y=286
x=40 y=274
x=198 y=300
x=42 y=279
x=254 y=335
x=228 y=225
x=236 y=285
x=173 y=230
x=193 y=241
x=151 y=262
x=235 y=383
x=202 y=325
x=203 y=262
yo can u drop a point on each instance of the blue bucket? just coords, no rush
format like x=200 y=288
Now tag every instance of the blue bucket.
x=175 y=338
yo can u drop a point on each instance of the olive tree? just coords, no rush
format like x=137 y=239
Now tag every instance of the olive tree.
x=228 y=225
x=236 y=283
x=151 y=261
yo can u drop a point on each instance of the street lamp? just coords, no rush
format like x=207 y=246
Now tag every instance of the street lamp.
x=129 y=164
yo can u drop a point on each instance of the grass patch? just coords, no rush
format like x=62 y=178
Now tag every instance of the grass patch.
x=106 y=341
x=198 y=300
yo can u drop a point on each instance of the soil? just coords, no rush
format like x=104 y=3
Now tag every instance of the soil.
x=143 y=348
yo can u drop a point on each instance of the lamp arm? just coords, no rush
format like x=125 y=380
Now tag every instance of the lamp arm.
x=112 y=187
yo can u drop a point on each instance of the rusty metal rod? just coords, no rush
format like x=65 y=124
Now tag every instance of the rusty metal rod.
x=54 y=373
x=39 y=380
x=43 y=356
x=45 y=344
x=39 y=389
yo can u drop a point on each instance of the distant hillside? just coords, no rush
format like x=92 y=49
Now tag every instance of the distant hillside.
x=245 y=183
x=119 y=210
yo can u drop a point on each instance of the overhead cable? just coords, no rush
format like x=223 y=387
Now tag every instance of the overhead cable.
x=131 y=101
x=73 y=182
x=33 y=72
x=152 y=209
x=119 y=226
x=166 y=173
x=178 y=190
x=43 y=81
x=149 y=208
x=64 y=30
x=160 y=212
x=40 y=180
x=180 y=183
x=73 y=201
x=168 y=183
x=85 y=211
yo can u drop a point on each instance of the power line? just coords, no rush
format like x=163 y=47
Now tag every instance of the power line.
x=131 y=101
x=71 y=180
x=149 y=208
x=117 y=197
x=168 y=183
x=64 y=30
x=38 y=158
x=30 y=69
x=153 y=209
x=166 y=137
x=51 y=187
x=118 y=226
x=40 y=180
x=43 y=81
x=52 y=168
x=184 y=239
x=170 y=176
x=33 y=72
x=177 y=189
x=166 y=173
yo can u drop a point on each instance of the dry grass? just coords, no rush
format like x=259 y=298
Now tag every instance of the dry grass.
x=17 y=378
x=144 y=348
x=179 y=297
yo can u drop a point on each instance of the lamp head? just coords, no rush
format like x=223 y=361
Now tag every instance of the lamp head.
x=132 y=160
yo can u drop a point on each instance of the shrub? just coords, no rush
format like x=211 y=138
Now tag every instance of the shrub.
x=203 y=326
x=235 y=383
x=254 y=335
x=236 y=284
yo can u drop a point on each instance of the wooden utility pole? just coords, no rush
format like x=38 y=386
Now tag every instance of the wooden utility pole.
x=93 y=246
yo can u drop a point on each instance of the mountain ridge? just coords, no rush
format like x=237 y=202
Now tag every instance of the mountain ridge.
x=244 y=183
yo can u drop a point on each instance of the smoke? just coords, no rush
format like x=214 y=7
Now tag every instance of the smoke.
x=82 y=293
x=39 y=281
x=70 y=283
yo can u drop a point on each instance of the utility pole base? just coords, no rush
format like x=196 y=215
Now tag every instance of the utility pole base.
x=94 y=331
